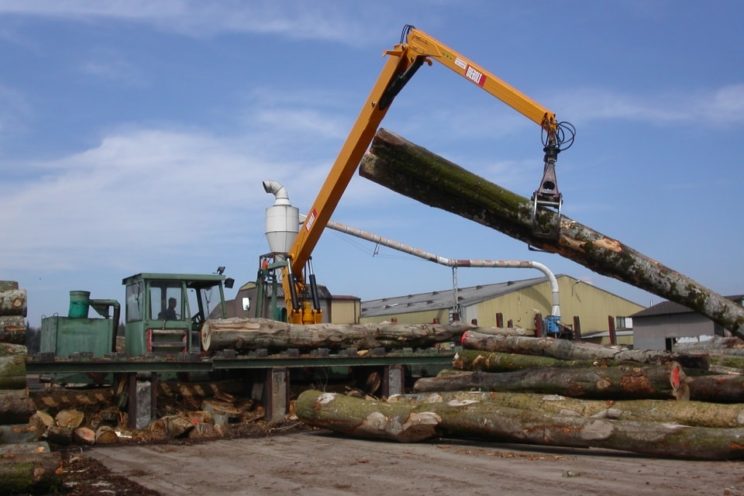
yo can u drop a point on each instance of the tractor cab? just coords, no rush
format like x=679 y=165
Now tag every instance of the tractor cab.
x=164 y=312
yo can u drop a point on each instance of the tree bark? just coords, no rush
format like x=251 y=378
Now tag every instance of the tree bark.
x=717 y=388
x=29 y=473
x=488 y=361
x=692 y=413
x=621 y=382
x=12 y=329
x=17 y=433
x=483 y=420
x=571 y=350
x=12 y=366
x=15 y=406
x=414 y=171
x=250 y=334
x=8 y=285
x=13 y=302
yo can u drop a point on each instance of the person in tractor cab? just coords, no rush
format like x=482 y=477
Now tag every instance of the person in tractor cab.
x=170 y=312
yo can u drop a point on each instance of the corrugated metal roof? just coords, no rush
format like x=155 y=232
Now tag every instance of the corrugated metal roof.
x=672 y=308
x=436 y=300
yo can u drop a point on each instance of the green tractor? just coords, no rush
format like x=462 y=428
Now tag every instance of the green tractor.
x=162 y=316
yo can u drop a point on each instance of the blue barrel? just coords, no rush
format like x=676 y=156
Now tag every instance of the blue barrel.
x=79 y=304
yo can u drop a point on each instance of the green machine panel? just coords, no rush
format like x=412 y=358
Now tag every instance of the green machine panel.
x=64 y=336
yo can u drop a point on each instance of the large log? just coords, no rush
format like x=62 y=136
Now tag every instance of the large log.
x=15 y=406
x=414 y=171
x=12 y=366
x=693 y=413
x=563 y=349
x=489 y=361
x=13 y=329
x=29 y=468
x=621 y=382
x=250 y=334
x=717 y=388
x=17 y=433
x=484 y=420
x=13 y=302
x=8 y=285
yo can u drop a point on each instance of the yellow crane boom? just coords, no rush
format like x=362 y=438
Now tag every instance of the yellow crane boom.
x=404 y=59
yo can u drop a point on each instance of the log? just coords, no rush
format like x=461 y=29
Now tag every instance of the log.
x=41 y=422
x=485 y=421
x=12 y=366
x=414 y=171
x=36 y=472
x=106 y=435
x=15 y=406
x=692 y=413
x=488 y=361
x=17 y=433
x=60 y=399
x=621 y=382
x=13 y=302
x=69 y=418
x=12 y=329
x=571 y=350
x=8 y=285
x=84 y=435
x=506 y=331
x=251 y=334
x=59 y=434
x=717 y=388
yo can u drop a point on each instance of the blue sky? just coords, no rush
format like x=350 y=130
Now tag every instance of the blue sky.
x=134 y=135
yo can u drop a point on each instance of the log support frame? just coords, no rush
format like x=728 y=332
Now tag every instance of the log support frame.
x=276 y=393
x=393 y=380
x=142 y=392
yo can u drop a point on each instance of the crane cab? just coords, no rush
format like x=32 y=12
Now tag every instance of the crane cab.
x=164 y=312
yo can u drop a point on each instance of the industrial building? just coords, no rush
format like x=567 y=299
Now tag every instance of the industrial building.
x=585 y=308
x=660 y=326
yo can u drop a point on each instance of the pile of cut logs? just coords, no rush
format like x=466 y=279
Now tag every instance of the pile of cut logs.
x=556 y=392
x=26 y=466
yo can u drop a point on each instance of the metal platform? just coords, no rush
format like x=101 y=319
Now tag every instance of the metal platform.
x=261 y=359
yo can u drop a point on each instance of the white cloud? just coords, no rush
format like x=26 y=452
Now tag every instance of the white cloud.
x=294 y=19
x=131 y=196
x=714 y=107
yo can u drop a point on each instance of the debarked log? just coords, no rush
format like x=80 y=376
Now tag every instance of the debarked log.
x=621 y=382
x=413 y=171
x=563 y=349
x=693 y=413
x=13 y=302
x=486 y=421
x=242 y=334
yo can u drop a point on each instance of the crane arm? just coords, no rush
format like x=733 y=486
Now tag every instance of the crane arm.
x=404 y=59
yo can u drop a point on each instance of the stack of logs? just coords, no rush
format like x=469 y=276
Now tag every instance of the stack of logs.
x=26 y=466
x=556 y=392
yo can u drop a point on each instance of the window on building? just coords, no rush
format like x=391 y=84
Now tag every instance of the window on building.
x=623 y=323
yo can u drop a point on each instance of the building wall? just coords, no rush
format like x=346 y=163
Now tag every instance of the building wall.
x=651 y=332
x=438 y=315
x=346 y=311
x=591 y=304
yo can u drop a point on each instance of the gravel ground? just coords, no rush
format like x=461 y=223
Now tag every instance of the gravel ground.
x=319 y=463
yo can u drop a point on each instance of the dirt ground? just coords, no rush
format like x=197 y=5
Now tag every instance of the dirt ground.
x=320 y=463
